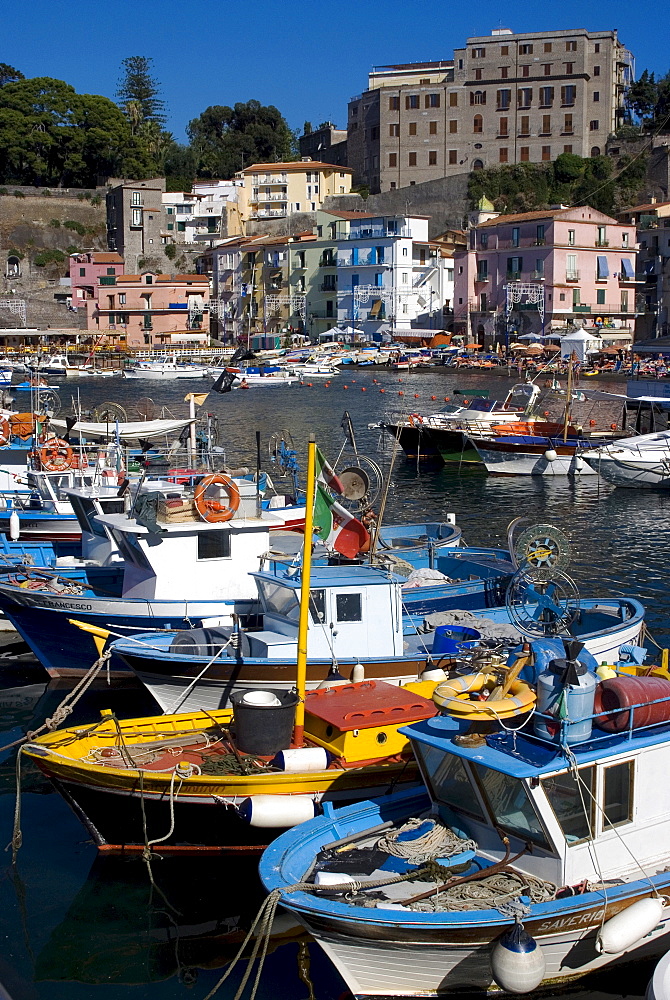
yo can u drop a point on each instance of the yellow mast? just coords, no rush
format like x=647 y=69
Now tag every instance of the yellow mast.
x=301 y=673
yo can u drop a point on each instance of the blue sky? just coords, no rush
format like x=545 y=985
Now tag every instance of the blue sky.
x=307 y=57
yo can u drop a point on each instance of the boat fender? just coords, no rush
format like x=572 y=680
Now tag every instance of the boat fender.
x=579 y=462
x=434 y=674
x=550 y=455
x=14 y=526
x=302 y=759
x=626 y=928
x=517 y=961
x=358 y=673
x=277 y=811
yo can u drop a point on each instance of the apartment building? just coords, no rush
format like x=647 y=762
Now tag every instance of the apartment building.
x=504 y=98
x=327 y=144
x=276 y=190
x=138 y=311
x=207 y=213
x=652 y=223
x=86 y=269
x=554 y=269
x=135 y=219
x=377 y=273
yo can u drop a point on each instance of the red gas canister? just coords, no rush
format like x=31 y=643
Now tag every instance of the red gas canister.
x=617 y=696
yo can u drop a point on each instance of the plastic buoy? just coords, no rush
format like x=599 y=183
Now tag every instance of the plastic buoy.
x=277 y=811
x=579 y=463
x=546 y=413
x=14 y=526
x=592 y=423
x=436 y=674
x=446 y=399
x=613 y=427
x=401 y=393
x=433 y=397
x=626 y=928
x=551 y=455
x=616 y=696
x=358 y=673
x=326 y=384
x=363 y=389
x=302 y=759
x=517 y=961
x=382 y=390
x=416 y=395
x=310 y=385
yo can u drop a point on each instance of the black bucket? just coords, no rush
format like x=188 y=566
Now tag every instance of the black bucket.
x=264 y=729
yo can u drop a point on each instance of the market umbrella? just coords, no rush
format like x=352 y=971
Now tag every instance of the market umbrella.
x=473 y=347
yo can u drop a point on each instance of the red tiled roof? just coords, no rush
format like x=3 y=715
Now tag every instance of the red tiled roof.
x=295 y=165
x=106 y=258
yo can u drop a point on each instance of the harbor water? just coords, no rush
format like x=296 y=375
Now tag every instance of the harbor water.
x=79 y=925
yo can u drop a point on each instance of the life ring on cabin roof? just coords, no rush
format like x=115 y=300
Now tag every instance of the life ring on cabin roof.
x=211 y=509
x=452 y=696
x=415 y=419
x=55 y=455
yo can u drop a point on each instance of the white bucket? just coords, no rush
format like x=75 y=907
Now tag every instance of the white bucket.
x=261 y=698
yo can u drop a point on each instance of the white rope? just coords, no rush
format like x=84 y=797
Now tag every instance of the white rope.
x=438 y=842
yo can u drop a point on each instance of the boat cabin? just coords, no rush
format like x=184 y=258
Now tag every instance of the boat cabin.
x=192 y=559
x=353 y=613
x=598 y=811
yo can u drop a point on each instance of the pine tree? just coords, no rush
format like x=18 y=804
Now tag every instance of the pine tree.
x=138 y=93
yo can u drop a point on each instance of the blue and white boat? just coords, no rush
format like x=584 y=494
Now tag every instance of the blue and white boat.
x=551 y=837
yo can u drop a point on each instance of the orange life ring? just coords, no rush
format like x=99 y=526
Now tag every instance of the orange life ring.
x=213 y=510
x=4 y=431
x=415 y=419
x=55 y=455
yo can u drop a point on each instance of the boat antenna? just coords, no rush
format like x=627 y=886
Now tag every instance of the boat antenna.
x=382 y=505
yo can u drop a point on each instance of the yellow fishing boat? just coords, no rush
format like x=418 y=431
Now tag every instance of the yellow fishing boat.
x=181 y=781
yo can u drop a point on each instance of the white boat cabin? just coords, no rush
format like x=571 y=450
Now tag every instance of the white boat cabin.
x=190 y=559
x=352 y=614
x=601 y=813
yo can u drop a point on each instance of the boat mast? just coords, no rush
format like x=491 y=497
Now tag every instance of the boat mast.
x=568 y=400
x=301 y=672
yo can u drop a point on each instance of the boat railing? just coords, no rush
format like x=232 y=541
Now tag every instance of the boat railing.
x=562 y=735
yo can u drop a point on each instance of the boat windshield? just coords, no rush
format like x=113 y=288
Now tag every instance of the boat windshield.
x=448 y=780
x=510 y=805
x=279 y=600
x=573 y=805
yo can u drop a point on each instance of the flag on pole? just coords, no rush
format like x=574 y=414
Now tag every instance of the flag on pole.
x=336 y=527
x=326 y=474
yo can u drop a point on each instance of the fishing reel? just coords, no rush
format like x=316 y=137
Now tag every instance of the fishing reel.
x=542 y=548
x=542 y=602
x=48 y=402
x=109 y=413
x=362 y=482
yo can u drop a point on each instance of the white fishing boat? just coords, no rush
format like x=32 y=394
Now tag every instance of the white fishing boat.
x=539 y=853
x=164 y=371
x=635 y=461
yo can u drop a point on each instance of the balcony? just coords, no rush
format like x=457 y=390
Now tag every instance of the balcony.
x=269 y=213
x=375 y=233
x=327 y=287
x=482 y=278
x=572 y=275
x=327 y=260
x=513 y=275
x=602 y=243
x=540 y=241
x=537 y=275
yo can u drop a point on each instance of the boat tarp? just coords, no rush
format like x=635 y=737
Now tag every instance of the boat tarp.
x=133 y=430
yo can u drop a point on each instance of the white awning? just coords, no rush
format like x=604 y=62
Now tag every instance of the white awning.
x=148 y=430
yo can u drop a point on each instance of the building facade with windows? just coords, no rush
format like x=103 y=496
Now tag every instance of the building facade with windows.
x=206 y=214
x=379 y=274
x=86 y=269
x=140 y=311
x=277 y=190
x=652 y=222
x=135 y=220
x=544 y=270
x=505 y=98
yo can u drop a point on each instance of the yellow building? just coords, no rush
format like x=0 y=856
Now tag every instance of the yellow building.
x=277 y=190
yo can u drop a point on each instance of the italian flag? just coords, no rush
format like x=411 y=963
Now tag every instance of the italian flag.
x=337 y=528
x=326 y=475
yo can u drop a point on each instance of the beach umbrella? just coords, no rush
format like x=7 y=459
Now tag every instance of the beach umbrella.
x=473 y=347
x=535 y=349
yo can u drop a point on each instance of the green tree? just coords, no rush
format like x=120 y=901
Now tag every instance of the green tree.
x=9 y=75
x=225 y=140
x=649 y=101
x=138 y=93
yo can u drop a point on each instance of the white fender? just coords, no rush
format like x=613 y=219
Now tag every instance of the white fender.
x=302 y=759
x=517 y=961
x=550 y=455
x=626 y=928
x=277 y=811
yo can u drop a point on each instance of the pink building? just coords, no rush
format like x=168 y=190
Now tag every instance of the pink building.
x=543 y=271
x=139 y=311
x=85 y=271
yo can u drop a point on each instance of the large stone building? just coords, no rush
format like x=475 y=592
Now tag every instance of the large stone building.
x=504 y=98
x=135 y=220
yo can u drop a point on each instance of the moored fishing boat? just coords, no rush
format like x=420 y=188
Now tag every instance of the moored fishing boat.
x=539 y=853
x=642 y=461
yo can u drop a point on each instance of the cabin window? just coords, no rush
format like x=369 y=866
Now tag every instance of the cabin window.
x=449 y=781
x=572 y=802
x=617 y=794
x=510 y=806
x=130 y=550
x=278 y=600
x=349 y=607
x=85 y=511
x=317 y=606
x=111 y=506
x=214 y=544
